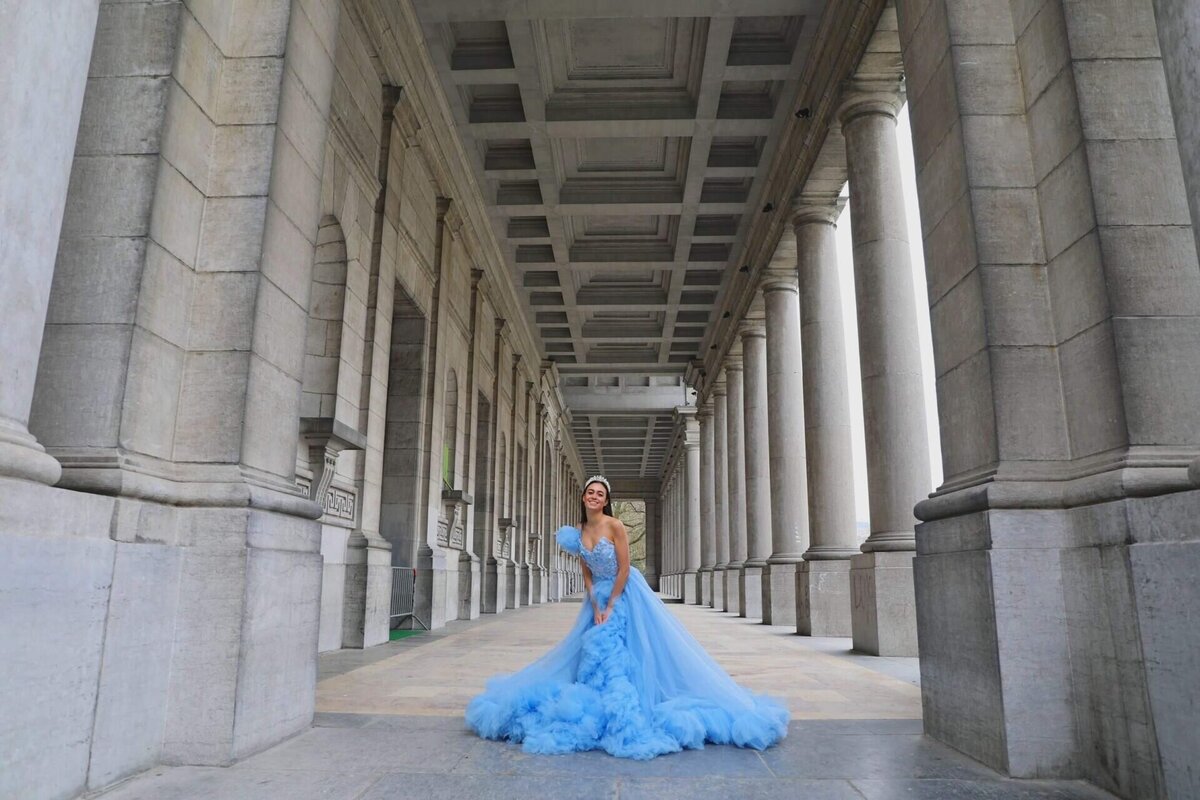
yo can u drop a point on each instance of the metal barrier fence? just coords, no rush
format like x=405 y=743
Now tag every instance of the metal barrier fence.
x=404 y=590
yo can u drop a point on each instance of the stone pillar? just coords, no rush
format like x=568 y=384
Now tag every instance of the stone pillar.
x=664 y=501
x=653 y=543
x=898 y=476
x=42 y=96
x=753 y=332
x=691 y=496
x=785 y=424
x=708 y=504
x=721 y=482
x=735 y=421
x=823 y=580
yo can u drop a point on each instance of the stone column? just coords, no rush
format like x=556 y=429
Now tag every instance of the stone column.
x=721 y=483
x=708 y=506
x=753 y=332
x=664 y=500
x=785 y=424
x=653 y=543
x=42 y=96
x=735 y=421
x=691 y=520
x=884 y=615
x=823 y=580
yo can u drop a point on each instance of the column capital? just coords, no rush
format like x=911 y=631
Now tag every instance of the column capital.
x=733 y=358
x=718 y=386
x=691 y=430
x=754 y=323
x=865 y=97
x=780 y=272
x=704 y=411
x=810 y=209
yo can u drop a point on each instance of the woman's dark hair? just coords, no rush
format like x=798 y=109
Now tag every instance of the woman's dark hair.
x=608 y=512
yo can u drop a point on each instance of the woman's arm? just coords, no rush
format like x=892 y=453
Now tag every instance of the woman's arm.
x=587 y=587
x=621 y=544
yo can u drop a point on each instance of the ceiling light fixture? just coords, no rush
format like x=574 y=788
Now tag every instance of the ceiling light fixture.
x=803 y=113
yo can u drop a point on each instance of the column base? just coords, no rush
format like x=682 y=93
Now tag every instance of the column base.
x=539 y=586
x=469 y=590
x=512 y=594
x=691 y=588
x=718 y=599
x=436 y=596
x=526 y=578
x=823 y=598
x=652 y=579
x=22 y=457
x=779 y=594
x=495 y=588
x=733 y=600
x=706 y=587
x=883 y=604
x=367 y=592
x=750 y=591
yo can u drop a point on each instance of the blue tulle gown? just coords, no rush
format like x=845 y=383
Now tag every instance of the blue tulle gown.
x=637 y=686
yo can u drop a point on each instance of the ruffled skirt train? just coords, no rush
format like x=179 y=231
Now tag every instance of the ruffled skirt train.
x=637 y=686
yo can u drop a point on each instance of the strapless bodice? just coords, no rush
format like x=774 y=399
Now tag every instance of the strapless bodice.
x=601 y=560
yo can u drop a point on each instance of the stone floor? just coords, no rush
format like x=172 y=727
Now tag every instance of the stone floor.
x=389 y=726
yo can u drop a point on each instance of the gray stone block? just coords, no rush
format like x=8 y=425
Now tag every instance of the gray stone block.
x=779 y=594
x=823 y=598
x=52 y=620
x=1168 y=602
x=750 y=592
x=131 y=706
x=1054 y=127
x=883 y=613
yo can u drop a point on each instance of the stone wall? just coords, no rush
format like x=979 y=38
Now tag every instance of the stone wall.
x=265 y=274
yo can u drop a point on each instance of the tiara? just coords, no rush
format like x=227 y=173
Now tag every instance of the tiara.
x=598 y=479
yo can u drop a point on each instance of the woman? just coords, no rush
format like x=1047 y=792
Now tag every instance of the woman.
x=628 y=679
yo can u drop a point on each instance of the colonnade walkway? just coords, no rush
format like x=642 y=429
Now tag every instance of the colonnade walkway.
x=389 y=725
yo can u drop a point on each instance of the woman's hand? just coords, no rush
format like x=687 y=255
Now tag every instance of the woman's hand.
x=601 y=617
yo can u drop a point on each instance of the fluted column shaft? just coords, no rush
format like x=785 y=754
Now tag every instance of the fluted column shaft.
x=785 y=417
x=42 y=94
x=785 y=424
x=721 y=485
x=708 y=503
x=735 y=421
x=893 y=399
x=829 y=446
x=708 y=530
x=691 y=496
x=758 y=474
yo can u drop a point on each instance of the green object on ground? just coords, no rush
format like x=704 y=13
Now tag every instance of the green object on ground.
x=404 y=634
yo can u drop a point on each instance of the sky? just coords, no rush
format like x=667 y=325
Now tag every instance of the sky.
x=846 y=271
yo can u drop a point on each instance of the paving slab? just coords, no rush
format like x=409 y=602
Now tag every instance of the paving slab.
x=389 y=725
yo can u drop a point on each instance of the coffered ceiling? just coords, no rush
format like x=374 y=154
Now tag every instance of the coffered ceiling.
x=622 y=159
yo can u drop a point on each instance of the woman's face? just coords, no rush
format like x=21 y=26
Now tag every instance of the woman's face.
x=595 y=496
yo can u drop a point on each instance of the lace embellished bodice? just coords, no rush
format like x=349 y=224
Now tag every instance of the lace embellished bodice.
x=602 y=559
